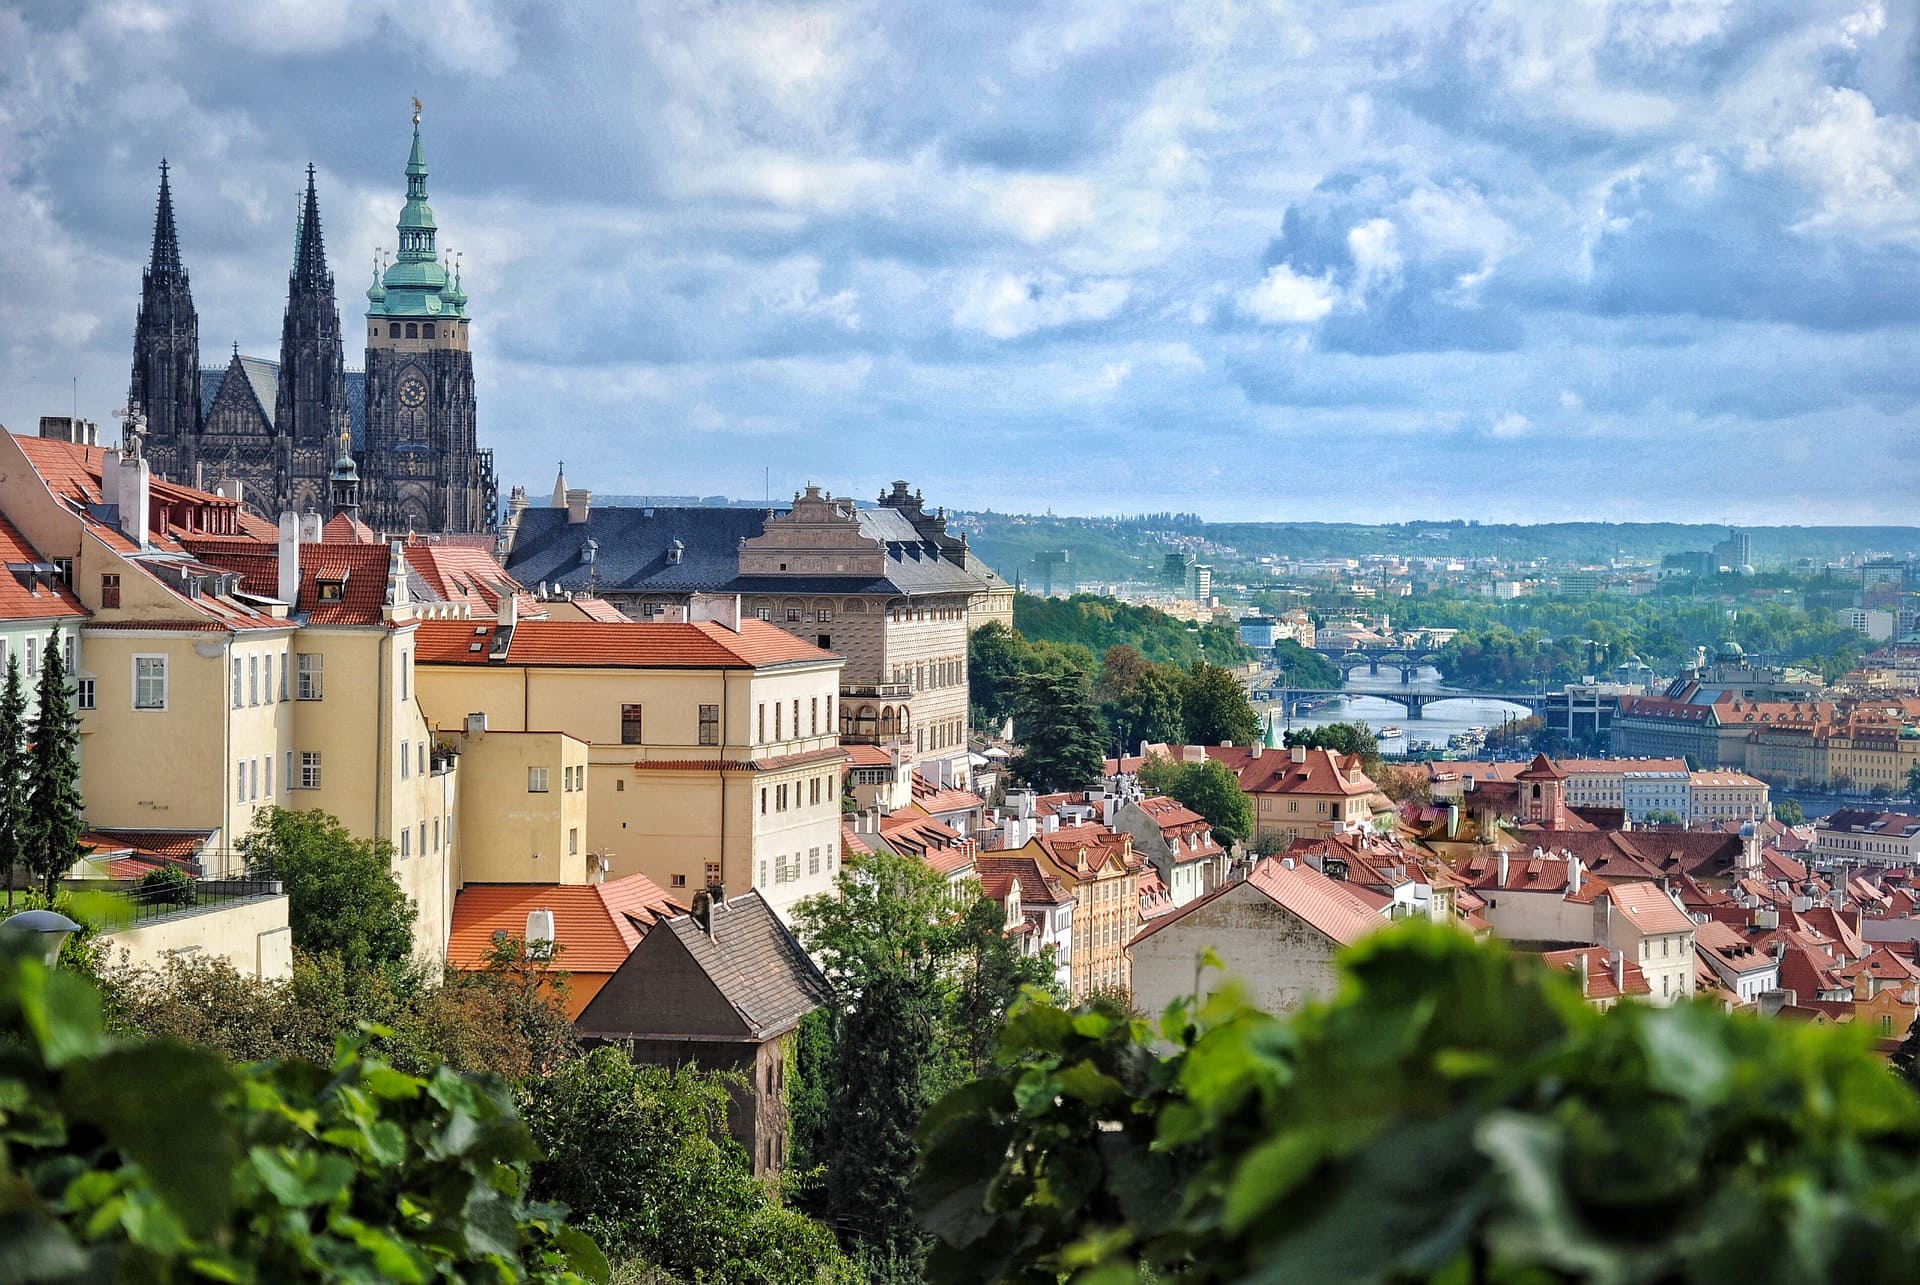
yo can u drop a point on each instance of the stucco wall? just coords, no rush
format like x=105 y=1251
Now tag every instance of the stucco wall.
x=251 y=935
x=1281 y=960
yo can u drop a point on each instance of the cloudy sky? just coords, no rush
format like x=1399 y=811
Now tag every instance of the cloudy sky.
x=1280 y=260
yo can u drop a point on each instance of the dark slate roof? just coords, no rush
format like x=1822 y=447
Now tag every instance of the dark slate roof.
x=633 y=546
x=755 y=963
x=264 y=375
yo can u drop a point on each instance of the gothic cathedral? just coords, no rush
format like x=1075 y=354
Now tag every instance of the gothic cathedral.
x=277 y=429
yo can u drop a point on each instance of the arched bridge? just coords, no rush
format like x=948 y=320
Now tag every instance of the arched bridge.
x=1407 y=660
x=1294 y=699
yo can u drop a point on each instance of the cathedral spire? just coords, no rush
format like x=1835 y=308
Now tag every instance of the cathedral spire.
x=310 y=252
x=164 y=264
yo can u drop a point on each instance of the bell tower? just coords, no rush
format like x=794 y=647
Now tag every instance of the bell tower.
x=166 y=351
x=424 y=468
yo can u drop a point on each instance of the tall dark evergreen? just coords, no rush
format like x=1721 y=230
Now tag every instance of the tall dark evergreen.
x=53 y=789
x=166 y=349
x=1058 y=723
x=310 y=407
x=13 y=770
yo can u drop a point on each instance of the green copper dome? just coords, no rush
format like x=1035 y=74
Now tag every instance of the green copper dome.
x=415 y=285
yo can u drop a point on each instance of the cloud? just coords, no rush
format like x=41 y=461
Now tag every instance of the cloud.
x=1008 y=305
x=1283 y=297
x=814 y=236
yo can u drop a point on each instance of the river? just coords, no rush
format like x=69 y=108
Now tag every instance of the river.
x=1369 y=700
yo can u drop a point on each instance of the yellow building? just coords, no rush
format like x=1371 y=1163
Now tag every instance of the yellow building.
x=1098 y=867
x=713 y=752
x=228 y=667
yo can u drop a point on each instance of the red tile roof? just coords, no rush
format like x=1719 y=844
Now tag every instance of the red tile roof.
x=1327 y=905
x=998 y=870
x=628 y=645
x=1598 y=977
x=598 y=925
x=1274 y=771
x=462 y=573
x=1541 y=769
x=40 y=597
x=1648 y=908
x=341 y=529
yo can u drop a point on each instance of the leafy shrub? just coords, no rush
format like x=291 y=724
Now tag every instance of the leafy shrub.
x=167 y=886
x=1456 y=1114
x=159 y=1161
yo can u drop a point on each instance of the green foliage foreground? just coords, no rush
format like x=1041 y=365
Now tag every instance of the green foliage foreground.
x=1457 y=1114
x=159 y=1161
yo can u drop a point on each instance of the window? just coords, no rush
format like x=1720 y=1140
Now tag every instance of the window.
x=776 y=721
x=83 y=693
x=110 y=590
x=236 y=682
x=573 y=842
x=404 y=674
x=679 y=881
x=763 y=871
x=824 y=615
x=436 y=834
x=763 y=800
x=240 y=781
x=290 y=784
x=266 y=680
x=66 y=651
x=709 y=724
x=253 y=680
x=536 y=780
x=284 y=679
x=796 y=732
x=413 y=331
x=421 y=757
x=630 y=724
x=309 y=769
x=619 y=785
x=266 y=762
x=426 y=330
x=813 y=861
x=393 y=330
x=763 y=722
x=813 y=716
x=793 y=615
x=313 y=672
x=813 y=790
x=713 y=873
x=765 y=613
x=406 y=842
x=780 y=799
x=406 y=762
x=149 y=682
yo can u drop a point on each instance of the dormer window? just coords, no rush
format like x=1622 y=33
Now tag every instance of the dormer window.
x=332 y=590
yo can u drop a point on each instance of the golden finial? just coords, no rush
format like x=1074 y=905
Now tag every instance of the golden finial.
x=416 y=111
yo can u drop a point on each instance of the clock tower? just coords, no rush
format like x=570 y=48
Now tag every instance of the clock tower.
x=422 y=466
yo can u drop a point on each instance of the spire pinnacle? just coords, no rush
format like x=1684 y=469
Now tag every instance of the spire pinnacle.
x=165 y=260
x=310 y=252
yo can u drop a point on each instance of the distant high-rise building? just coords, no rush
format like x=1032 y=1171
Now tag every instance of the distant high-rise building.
x=1173 y=568
x=1735 y=551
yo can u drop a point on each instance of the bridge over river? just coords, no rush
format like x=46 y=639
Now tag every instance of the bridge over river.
x=1412 y=696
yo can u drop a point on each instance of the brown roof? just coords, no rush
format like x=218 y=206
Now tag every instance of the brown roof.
x=755 y=964
x=1599 y=972
x=1330 y=906
x=1274 y=771
x=998 y=870
x=597 y=925
x=1541 y=769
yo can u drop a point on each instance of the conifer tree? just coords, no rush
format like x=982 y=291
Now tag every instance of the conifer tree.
x=13 y=770
x=53 y=824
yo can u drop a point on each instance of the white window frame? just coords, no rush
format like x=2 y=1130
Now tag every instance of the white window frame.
x=310 y=766
x=162 y=660
x=83 y=693
x=312 y=684
x=537 y=782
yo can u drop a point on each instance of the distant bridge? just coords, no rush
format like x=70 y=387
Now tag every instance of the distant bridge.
x=1293 y=700
x=1408 y=661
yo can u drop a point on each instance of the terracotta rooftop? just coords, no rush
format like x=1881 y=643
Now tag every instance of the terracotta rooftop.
x=598 y=924
x=1648 y=908
x=1275 y=772
x=629 y=645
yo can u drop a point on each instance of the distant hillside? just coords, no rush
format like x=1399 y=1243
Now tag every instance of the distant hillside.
x=1099 y=623
x=1102 y=549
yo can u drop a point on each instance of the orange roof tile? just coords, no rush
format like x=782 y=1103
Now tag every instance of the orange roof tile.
x=597 y=925
x=37 y=597
x=1648 y=908
x=628 y=645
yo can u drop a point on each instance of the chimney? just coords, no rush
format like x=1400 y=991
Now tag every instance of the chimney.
x=1298 y=754
x=1619 y=959
x=1573 y=875
x=720 y=608
x=231 y=489
x=540 y=928
x=290 y=559
x=1050 y=824
x=309 y=528
x=509 y=614
x=1500 y=868
x=702 y=912
x=1255 y=750
x=131 y=486
x=578 y=500
x=1582 y=957
x=1287 y=862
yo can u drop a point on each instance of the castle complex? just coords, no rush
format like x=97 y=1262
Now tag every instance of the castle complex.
x=277 y=428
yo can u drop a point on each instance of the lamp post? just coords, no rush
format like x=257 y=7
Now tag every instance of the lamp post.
x=52 y=927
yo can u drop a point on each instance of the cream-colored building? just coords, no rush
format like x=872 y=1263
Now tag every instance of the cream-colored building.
x=229 y=668
x=1647 y=926
x=712 y=749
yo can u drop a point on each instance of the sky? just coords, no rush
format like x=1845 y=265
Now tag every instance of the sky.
x=1260 y=261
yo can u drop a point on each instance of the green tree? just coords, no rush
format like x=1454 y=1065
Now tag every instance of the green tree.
x=1508 y=1132
x=15 y=771
x=1343 y=738
x=1063 y=743
x=994 y=973
x=1788 y=812
x=641 y=1158
x=996 y=659
x=54 y=825
x=1150 y=710
x=158 y=1161
x=1209 y=788
x=1216 y=709
x=885 y=943
x=1663 y=816
x=343 y=897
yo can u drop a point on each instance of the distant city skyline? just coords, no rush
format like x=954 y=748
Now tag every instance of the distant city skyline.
x=1324 y=262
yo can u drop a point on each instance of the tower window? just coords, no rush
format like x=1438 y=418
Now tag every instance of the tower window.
x=393 y=330
x=426 y=331
x=413 y=331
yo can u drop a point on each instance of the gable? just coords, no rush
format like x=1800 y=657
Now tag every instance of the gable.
x=661 y=992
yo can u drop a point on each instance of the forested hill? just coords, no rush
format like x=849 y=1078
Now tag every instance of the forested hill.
x=1100 y=623
x=1131 y=548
